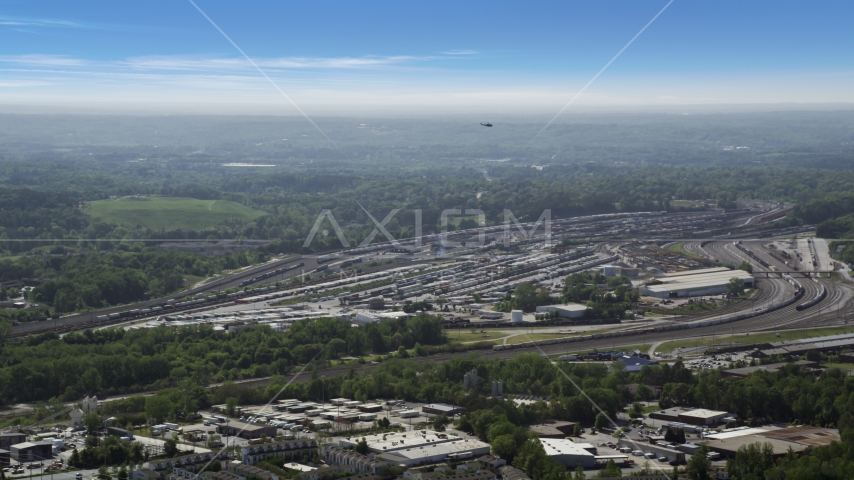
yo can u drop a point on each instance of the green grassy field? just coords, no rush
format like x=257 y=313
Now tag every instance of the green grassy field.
x=680 y=248
x=465 y=336
x=497 y=336
x=170 y=213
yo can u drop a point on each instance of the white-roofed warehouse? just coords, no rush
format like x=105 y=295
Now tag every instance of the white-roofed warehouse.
x=693 y=283
x=569 y=453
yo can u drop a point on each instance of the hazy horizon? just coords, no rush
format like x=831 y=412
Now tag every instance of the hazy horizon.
x=495 y=58
x=529 y=115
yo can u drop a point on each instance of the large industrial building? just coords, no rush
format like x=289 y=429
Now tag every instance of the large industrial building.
x=372 y=316
x=691 y=416
x=569 y=453
x=796 y=439
x=420 y=447
x=390 y=442
x=9 y=439
x=799 y=347
x=770 y=367
x=454 y=451
x=443 y=408
x=571 y=310
x=249 y=431
x=31 y=451
x=693 y=283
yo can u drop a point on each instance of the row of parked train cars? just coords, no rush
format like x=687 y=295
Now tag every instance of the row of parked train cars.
x=271 y=274
x=172 y=304
x=799 y=289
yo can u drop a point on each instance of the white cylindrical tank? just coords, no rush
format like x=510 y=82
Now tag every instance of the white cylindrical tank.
x=609 y=271
x=516 y=316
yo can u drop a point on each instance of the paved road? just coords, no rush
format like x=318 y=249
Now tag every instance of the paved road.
x=823 y=253
x=87 y=475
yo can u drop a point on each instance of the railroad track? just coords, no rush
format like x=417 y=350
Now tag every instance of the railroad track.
x=828 y=312
x=90 y=322
x=773 y=289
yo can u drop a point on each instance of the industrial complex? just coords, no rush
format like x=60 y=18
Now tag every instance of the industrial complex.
x=694 y=283
x=656 y=305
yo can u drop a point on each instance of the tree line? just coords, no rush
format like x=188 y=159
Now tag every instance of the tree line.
x=112 y=361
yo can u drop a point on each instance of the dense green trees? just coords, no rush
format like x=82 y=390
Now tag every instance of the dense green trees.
x=527 y=298
x=107 y=451
x=583 y=287
x=790 y=395
x=100 y=280
x=751 y=462
x=699 y=464
x=91 y=421
x=531 y=458
x=115 y=360
x=834 y=462
x=735 y=286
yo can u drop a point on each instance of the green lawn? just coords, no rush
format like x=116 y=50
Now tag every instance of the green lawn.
x=465 y=336
x=680 y=248
x=519 y=336
x=170 y=213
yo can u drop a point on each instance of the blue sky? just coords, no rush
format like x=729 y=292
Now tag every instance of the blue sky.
x=477 y=55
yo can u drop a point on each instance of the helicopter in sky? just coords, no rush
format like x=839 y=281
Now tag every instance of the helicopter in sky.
x=486 y=124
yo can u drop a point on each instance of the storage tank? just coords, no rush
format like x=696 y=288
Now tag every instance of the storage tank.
x=609 y=271
x=516 y=316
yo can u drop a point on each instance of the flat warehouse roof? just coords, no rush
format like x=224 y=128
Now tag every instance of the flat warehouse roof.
x=695 y=272
x=731 y=445
x=737 y=433
x=389 y=442
x=554 y=446
x=573 y=307
x=805 y=435
x=696 y=282
x=447 y=448
x=703 y=413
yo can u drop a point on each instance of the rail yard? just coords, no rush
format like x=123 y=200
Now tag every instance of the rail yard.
x=487 y=264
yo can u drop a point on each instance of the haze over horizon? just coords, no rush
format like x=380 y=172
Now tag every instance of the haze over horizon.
x=483 y=57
